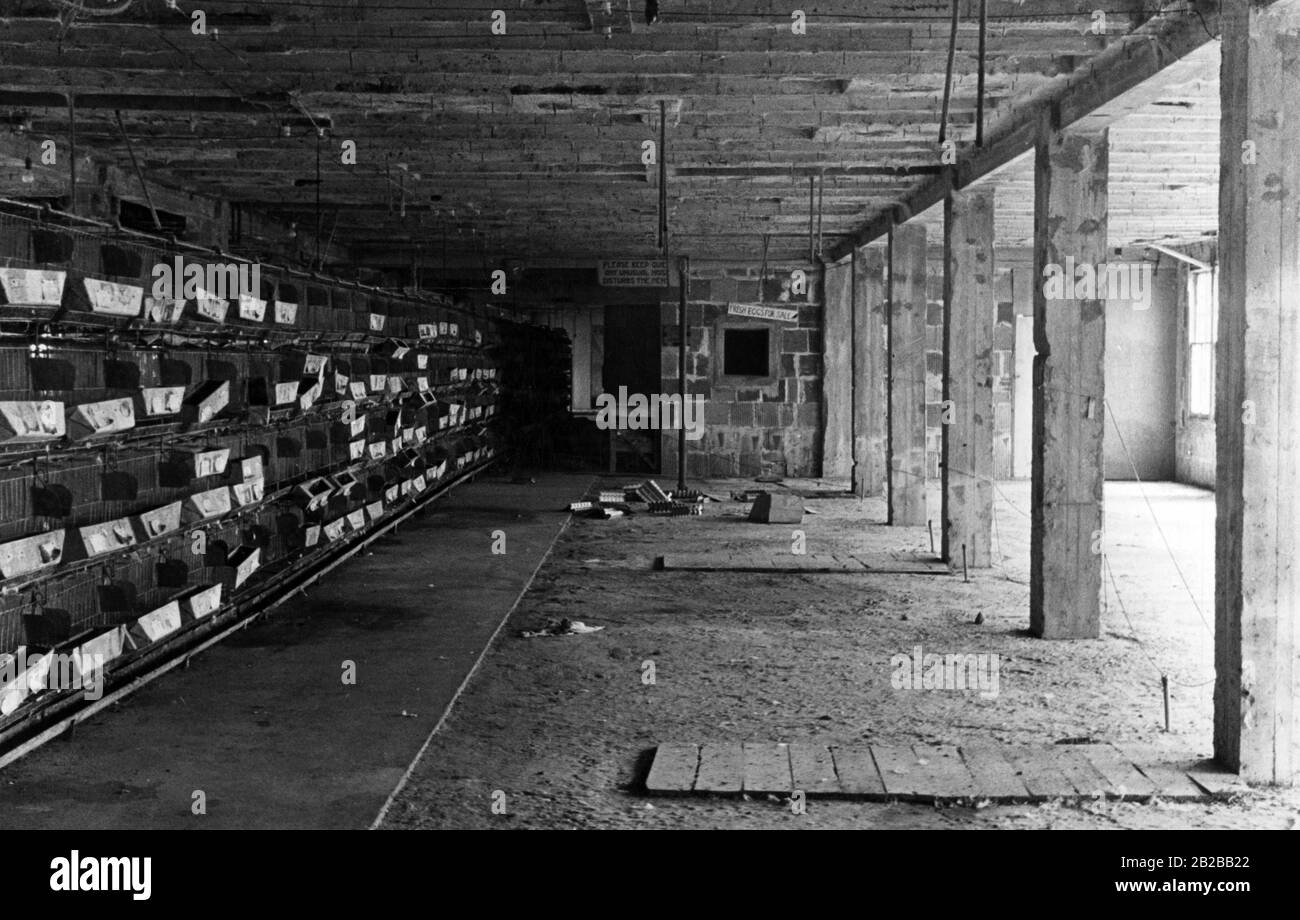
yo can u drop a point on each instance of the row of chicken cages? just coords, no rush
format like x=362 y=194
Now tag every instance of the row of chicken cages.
x=74 y=631
x=86 y=278
x=57 y=395
x=73 y=510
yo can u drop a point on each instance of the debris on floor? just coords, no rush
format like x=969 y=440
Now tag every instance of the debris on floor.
x=560 y=627
x=650 y=491
x=614 y=503
x=688 y=495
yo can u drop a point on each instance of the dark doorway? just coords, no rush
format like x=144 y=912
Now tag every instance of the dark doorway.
x=632 y=361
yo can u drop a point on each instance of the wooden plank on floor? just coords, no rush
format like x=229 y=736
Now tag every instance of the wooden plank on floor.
x=1163 y=768
x=1124 y=779
x=674 y=768
x=1038 y=770
x=897 y=765
x=994 y=777
x=704 y=562
x=722 y=767
x=812 y=769
x=884 y=564
x=1214 y=779
x=1079 y=770
x=941 y=772
x=767 y=767
x=892 y=564
x=857 y=772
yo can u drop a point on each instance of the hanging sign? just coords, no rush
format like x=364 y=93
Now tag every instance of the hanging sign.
x=633 y=273
x=757 y=311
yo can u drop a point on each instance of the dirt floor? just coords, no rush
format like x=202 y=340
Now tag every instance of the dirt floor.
x=560 y=729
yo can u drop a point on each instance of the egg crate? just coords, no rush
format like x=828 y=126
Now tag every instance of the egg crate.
x=674 y=508
x=611 y=497
x=688 y=495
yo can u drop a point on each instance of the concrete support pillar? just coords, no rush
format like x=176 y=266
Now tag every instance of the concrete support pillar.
x=837 y=371
x=1257 y=411
x=907 y=312
x=969 y=310
x=870 y=369
x=1070 y=196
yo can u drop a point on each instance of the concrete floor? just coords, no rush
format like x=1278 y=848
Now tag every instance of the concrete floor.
x=262 y=723
x=561 y=730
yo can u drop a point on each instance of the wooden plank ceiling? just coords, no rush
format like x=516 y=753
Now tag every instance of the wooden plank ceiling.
x=528 y=145
x=1164 y=168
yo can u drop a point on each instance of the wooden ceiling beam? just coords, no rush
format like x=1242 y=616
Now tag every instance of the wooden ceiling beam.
x=1127 y=69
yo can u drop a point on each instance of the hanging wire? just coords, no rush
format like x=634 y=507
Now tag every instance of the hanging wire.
x=1155 y=519
x=1138 y=638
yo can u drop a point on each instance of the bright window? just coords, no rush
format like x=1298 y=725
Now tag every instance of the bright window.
x=1202 y=333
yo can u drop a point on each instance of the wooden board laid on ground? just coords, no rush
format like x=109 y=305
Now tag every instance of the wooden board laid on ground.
x=722 y=768
x=674 y=768
x=811 y=563
x=767 y=767
x=857 y=773
x=1119 y=772
x=994 y=777
x=979 y=771
x=813 y=769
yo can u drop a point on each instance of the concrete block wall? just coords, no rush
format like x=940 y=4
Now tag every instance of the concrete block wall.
x=770 y=426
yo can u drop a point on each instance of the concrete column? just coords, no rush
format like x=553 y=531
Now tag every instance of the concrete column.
x=837 y=370
x=907 y=312
x=969 y=310
x=1257 y=411
x=1070 y=195
x=870 y=369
